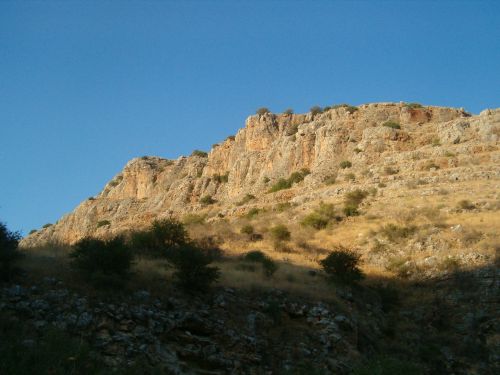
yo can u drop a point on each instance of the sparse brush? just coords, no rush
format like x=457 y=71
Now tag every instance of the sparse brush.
x=342 y=265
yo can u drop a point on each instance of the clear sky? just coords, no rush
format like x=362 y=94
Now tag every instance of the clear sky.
x=87 y=86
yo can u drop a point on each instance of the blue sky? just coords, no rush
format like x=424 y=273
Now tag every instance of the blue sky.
x=87 y=86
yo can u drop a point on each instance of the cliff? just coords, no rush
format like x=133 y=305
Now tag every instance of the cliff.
x=433 y=143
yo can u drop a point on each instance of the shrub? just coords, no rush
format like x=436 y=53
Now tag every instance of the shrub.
x=392 y=125
x=345 y=164
x=283 y=206
x=247 y=229
x=206 y=200
x=103 y=223
x=330 y=180
x=315 y=221
x=390 y=171
x=255 y=256
x=395 y=233
x=321 y=216
x=221 y=178
x=266 y=179
x=280 y=233
x=190 y=219
x=192 y=271
x=357 y=150
x=355 y=197
x=292 y=129
x=288 y=111
x=9 y=242
x=230 y=138
x=262 y=111
x=32 y=231
x=466 y=205
x=252 y=213
x=47 y=225
x=295 y=177
x=315 y=110
x=413 y=105
x=269 y=267
x=247 y=198
x=199 y=153
x=161 y=236
x=350 y=210
x=104 y=263
x=341 y=265
x=436 y=142
x=350 y=177
x=349 y=108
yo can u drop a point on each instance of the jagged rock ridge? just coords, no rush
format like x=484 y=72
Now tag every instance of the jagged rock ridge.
x=273 y=146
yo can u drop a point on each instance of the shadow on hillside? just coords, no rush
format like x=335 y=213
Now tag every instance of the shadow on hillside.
x=447 y=324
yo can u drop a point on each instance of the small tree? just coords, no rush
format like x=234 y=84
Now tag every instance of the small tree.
x=192 y=271
x=199 y=153
x=206 y=200
x=104 y=263
x=280 y=233
x=341 y=265
x=161 y=236
x=262 y=111
x=345 y=164
x=288 y=111
x=315 y=110
x=9 y=242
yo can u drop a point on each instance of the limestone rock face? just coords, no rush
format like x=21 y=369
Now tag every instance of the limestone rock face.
x=271 y=147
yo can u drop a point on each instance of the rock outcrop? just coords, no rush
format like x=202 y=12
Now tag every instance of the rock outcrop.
x=272 y=146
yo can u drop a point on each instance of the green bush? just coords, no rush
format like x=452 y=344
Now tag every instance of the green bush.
x=221 y=178
x=352 y=200
x=395 y=233
x=315 y=221
x=193 y=272
x=341 y=265
x=9 y=242
x=294 y=178
x=269 y=267
x=252 y=213
x=32 y=231
x=161 y=236
x=103 y=223
x=201 y=154
x=262 y=111
x=392 y=125
x=47 y=225
x=247 y=229
x=413 y=105
x=321 y=216
x=349 y=108
x=355 y=197
x=330 y=180
x=104 y=263
x=350 y=177
x=190 y=219
x=288 y=111
x=207 y=200
x=345 y=164
x=266 y=179
x=247 y=198
x=280 y=233
x=350 y=210
x=315 y=110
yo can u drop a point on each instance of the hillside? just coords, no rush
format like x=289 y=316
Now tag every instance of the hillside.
x=412 y=190
x=434 y=145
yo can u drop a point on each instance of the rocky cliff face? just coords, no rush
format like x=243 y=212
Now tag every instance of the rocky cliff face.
x=271 y=147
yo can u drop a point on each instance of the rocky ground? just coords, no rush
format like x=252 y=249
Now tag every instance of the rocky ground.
x=448 y=325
